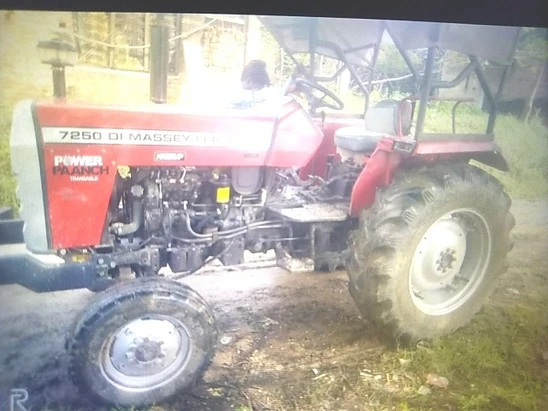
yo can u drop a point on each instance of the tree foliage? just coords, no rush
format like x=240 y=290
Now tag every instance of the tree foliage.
x=532 y=49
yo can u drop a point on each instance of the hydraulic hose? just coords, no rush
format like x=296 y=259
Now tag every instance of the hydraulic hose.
x=234 y=231
x=122 y=229
x=223 y=235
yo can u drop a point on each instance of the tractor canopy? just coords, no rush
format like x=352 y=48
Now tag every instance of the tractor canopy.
x=356 y=42
x=493 y=43
x=353 y=40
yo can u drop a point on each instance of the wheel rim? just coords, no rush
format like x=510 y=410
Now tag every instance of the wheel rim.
x=450 y=262
x=146 y=353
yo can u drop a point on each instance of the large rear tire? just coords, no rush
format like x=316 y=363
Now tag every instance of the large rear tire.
x=141 y=342
x=426 y=254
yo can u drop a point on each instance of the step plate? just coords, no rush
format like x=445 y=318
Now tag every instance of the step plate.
x=314 y=213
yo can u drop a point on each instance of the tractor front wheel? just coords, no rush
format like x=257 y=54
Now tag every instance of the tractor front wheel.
x=142 y=342
x=428 y=251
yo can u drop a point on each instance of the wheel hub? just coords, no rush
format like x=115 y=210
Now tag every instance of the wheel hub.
x=146 y=348
x=449 y=262
x=439 y=255
x=147 y=351
x=446 y=260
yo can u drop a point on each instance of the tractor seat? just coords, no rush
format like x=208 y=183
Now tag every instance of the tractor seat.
x=386 y=118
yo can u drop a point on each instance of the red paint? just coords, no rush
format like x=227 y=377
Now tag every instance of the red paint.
x=448 y=147
x=78 y=208
x=377 y=172
x=380 y=167
x=296 y=140
x=318 y=164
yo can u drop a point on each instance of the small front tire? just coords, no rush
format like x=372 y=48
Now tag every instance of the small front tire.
x=141 y=342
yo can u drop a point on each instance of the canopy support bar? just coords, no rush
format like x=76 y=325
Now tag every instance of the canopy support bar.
x=425 y=90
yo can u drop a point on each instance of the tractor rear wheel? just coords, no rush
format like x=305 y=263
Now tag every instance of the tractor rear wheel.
x=141 y=342
x=427 y=252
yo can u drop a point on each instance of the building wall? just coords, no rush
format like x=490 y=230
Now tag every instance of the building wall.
x=519 y=83
x=22 y=75
x=215 y=58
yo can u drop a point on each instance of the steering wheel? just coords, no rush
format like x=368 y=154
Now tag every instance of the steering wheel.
x=308 y=87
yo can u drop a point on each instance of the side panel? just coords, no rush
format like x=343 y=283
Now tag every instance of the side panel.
x=84 y=145
x=317 y=166
x=377 y=172
x=26 y=164
x=277 y=135
x=296 y=138
x=136 y=137
x=80 y=180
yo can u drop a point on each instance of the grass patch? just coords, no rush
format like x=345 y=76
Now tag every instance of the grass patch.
x=495 y=363
x=7 y=182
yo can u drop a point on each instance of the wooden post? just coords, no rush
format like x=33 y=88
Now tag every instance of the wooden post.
x=282 y=65
x=528 y=106
x=160 y=61
x=146 y=63
x=253 y=38
x=111 y=38
x=178 y=44
x=246 y=38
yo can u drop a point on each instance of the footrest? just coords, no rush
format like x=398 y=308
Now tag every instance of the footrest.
x=313 y=213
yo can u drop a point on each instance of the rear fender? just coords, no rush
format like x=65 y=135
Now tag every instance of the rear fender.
x=377 y=172
x=493 y=158
x=385 y=161
x=483 y=150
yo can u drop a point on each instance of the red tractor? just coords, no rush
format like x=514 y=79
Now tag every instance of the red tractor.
x=111 y=195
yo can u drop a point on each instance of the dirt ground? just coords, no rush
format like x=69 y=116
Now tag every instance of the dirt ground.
x=282 y=334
